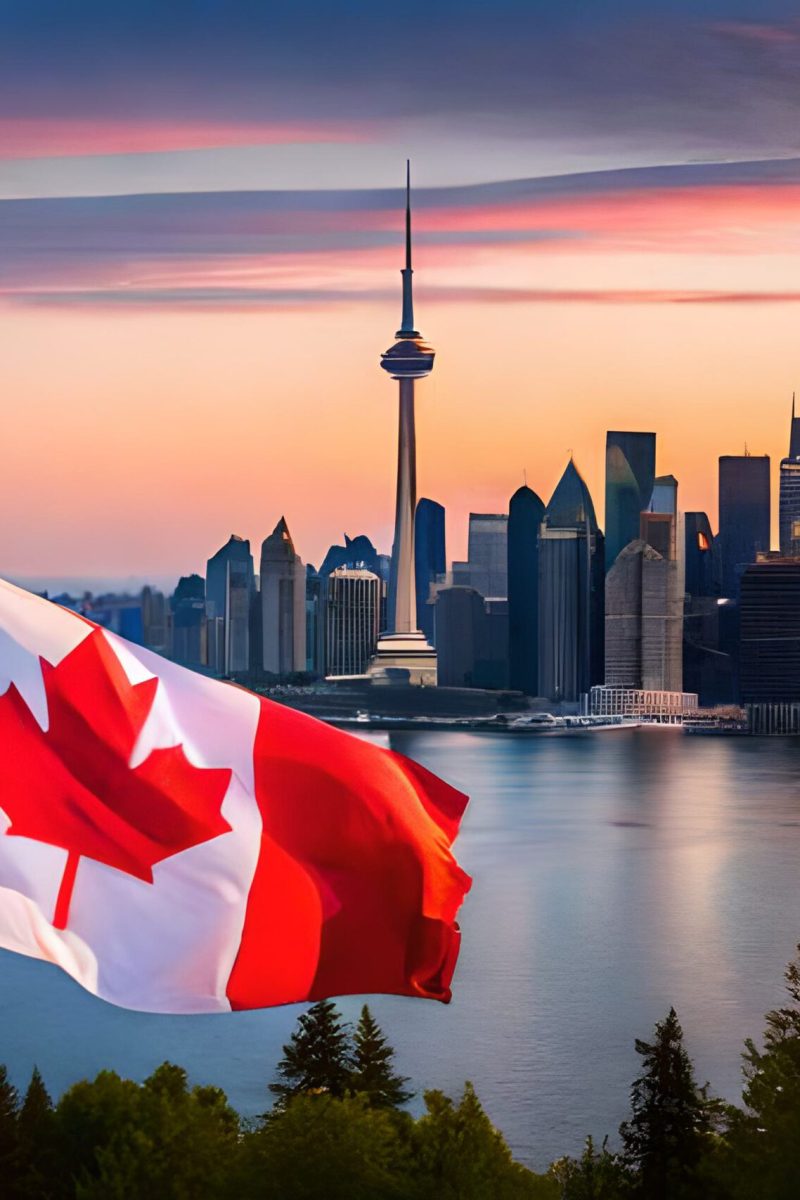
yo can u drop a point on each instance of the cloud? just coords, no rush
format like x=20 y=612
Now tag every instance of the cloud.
x=215 y=299
x=204 y=247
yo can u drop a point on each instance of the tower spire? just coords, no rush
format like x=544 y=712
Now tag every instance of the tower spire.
x=407 y=321
x=794 y=432
x=408 y=216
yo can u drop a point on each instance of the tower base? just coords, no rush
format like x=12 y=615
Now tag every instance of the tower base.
x=403 y=658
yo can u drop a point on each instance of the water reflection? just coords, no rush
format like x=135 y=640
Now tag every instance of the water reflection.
x=615 y=874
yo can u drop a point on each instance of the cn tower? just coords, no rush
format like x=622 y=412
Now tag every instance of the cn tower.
x=403 y=653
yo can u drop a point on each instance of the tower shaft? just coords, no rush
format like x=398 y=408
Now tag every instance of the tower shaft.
x=403 y=608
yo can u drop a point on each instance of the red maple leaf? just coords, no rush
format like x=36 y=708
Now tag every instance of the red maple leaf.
x=72 y=786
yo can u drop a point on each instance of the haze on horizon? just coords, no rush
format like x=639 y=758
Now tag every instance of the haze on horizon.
x=201 y=231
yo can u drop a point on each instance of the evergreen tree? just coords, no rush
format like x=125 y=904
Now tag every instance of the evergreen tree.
x=318 y=1057
x=36 y=1126
x=373 y=1073
x=9 y=1130
x=762 y=1157
x=666 y=1137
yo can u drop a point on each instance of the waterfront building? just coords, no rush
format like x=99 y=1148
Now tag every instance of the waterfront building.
x=641 y=704
x=283 y=604
x=430 y=560
x=316 y=592
x=789 y=503
x=352 y=620
x=525 y=516
x=769 y=631
x=487 y=554
x=571 y=599
x=744 y=515
x=188 y=636
x=460 y=619
x=709 y=633
x=229 y=588
x=630 y=475
x=644 y=620
x=403 y=652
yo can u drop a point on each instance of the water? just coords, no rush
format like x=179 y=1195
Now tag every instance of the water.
x=615 y=874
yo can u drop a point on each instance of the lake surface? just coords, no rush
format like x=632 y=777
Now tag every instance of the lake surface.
x=614 y=874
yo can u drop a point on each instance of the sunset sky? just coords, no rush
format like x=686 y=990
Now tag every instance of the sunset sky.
x=201 y=235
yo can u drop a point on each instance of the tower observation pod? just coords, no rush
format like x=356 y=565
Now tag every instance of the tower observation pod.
x=403 y=654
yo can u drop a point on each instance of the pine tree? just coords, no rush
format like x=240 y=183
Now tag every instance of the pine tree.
x=318 y=1056
x=373 y=1073
x=9 y=1130
x=666 y=1137
x=762 y=1142
x=37 y=1155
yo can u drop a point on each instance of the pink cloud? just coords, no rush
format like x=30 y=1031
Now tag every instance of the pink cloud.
x=66 y=137
x=753 y=32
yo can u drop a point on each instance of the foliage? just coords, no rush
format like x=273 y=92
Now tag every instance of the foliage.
x=458 y=1153
x=667 y=1135
x=596 y=1175
x=318 y=1057
x=373 y=1073
x=318 y=1146
x=761 y=1155
x=161 y=1139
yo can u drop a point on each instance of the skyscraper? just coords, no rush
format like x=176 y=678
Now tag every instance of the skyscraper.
x=789 y=519
x=525 y=516
x=488 y=554
x=352 y=620
x=770 y=632
x=188 y=605
x=644 y=621
x=571 y=600
x=743 y=515
x=403 y=648
x=229 y=589
x=630 y=475
x=283 y=604
x=429 y=559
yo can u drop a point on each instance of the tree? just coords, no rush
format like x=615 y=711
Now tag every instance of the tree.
x=37 y=1149
x=459 y=1155
x=761 y=1144
x=318 y=1057
x=319 y=1146
x=161 y=1139
x=9 y=1130
x=373 y=1073
x=596 y=1175
x=667 y=1135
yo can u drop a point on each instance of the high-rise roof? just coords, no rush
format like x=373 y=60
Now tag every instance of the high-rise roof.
x=571 y=505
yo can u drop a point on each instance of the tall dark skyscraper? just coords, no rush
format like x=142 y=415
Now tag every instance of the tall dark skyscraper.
x=571 y=592
x=743 y=515
x=789 y=520
x=769 y=664
x=430 y=559
x=403 y=647
x=230 y=583
x=630 y=475
x=525 y=516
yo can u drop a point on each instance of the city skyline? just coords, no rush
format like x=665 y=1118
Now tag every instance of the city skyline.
x=195 y=281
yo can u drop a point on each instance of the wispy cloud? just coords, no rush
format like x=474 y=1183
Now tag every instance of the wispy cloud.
x=246 y=247
x=215 y=299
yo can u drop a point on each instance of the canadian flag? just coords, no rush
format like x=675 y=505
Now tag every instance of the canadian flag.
x=178 y=844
